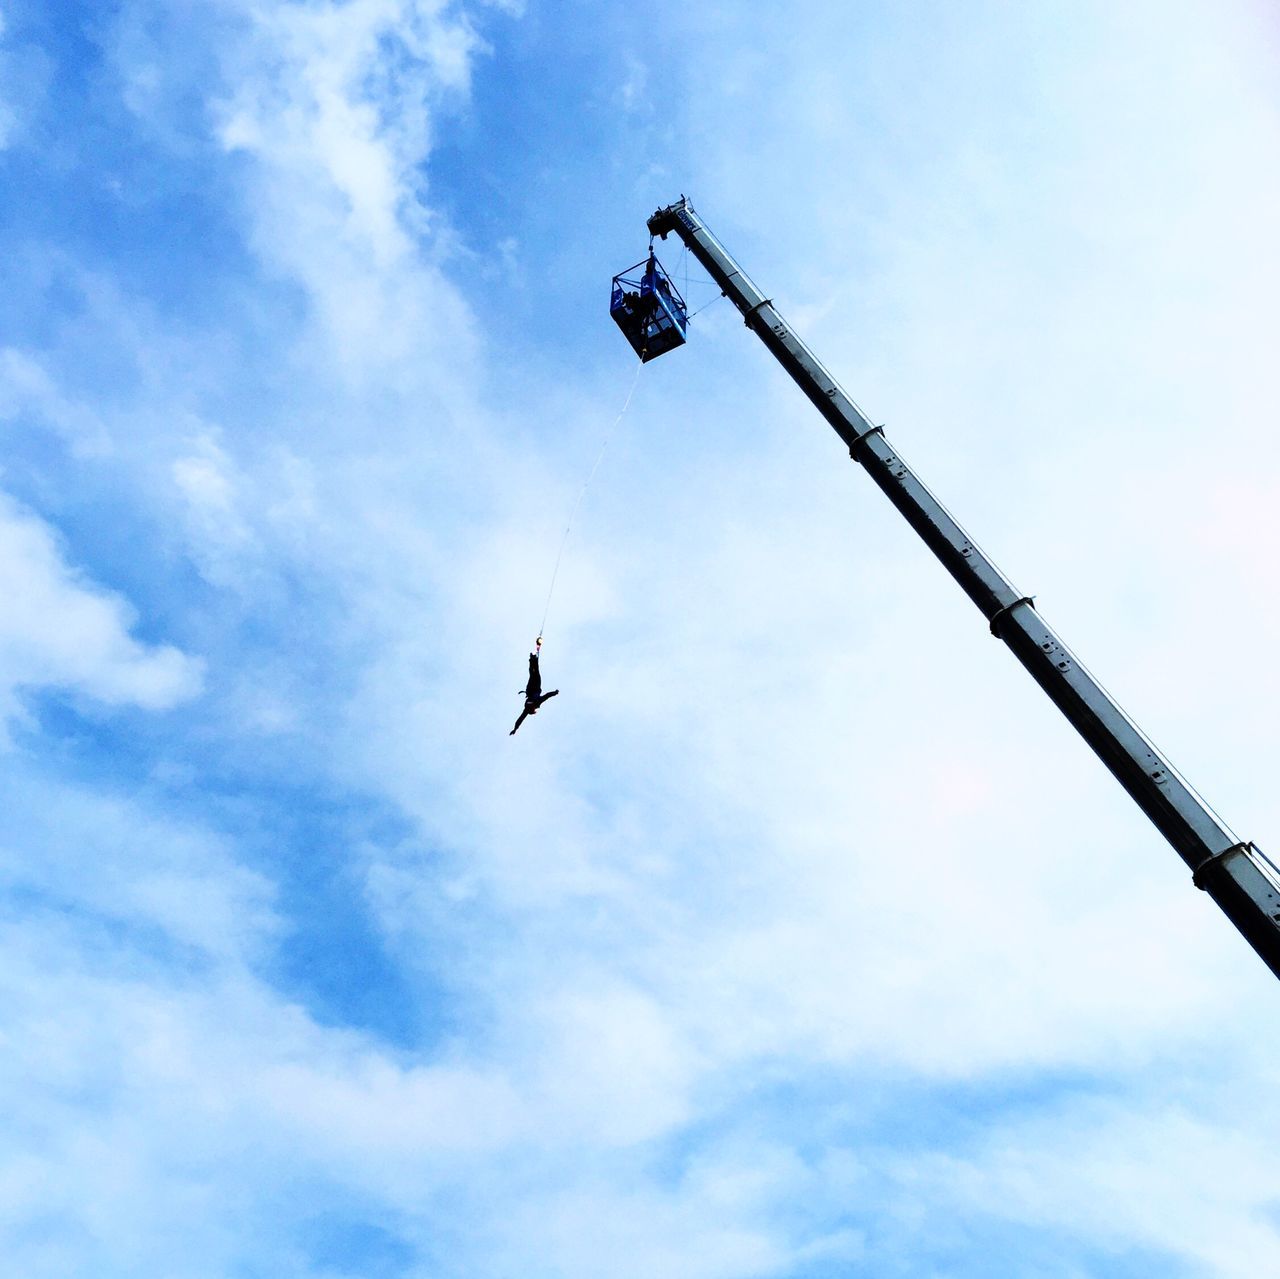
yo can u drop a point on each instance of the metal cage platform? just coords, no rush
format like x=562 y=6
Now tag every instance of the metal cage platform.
x=649 y=310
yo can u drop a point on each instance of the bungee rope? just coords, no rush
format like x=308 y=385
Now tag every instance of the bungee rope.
x=604 y=444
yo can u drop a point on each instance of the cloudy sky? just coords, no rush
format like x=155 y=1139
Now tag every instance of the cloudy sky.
x=799 y=936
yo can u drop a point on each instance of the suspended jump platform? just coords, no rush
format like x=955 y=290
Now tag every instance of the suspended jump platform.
x=648 y=309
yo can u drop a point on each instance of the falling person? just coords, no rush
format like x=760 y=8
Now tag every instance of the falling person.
x=533 y=694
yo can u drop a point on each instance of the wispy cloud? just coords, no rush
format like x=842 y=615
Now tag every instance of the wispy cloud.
x=62 y=631
x=27 y=388
x=333 y=105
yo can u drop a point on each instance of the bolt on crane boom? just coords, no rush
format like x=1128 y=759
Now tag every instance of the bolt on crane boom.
x=1232 y=871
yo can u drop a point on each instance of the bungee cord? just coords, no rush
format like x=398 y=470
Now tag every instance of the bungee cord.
x=604 y=444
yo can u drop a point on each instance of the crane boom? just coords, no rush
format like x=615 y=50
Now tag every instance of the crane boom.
x=1233 y=872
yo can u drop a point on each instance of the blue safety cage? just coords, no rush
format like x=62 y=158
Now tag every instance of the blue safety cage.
x=648 y=309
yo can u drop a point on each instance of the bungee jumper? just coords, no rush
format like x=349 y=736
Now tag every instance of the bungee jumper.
x=533 y=694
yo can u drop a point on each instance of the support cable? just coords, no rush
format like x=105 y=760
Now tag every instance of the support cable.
x=704 y=306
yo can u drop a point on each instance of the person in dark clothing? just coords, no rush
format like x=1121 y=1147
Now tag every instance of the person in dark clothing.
x=533 y=694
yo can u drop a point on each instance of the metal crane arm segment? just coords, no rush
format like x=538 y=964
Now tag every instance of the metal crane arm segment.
x=1234 y=874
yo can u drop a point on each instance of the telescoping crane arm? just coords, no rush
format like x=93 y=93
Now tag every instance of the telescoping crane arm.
x=1243 y=883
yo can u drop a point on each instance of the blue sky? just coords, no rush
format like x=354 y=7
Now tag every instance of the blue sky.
x=799 y=937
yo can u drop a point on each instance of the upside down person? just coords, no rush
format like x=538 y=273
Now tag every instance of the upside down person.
x=533 y=694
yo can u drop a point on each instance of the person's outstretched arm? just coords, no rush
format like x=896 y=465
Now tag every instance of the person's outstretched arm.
x=520 y=721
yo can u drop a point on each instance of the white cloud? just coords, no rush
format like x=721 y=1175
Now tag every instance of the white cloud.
x=117 y=861
x=61 y=631
x=373 y=1110
x=26 y=387
x=333 y=104
x=221 y=536
x=610 y=1066
x=9 y=120
x=643 y=1233
x=1160 y=1179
